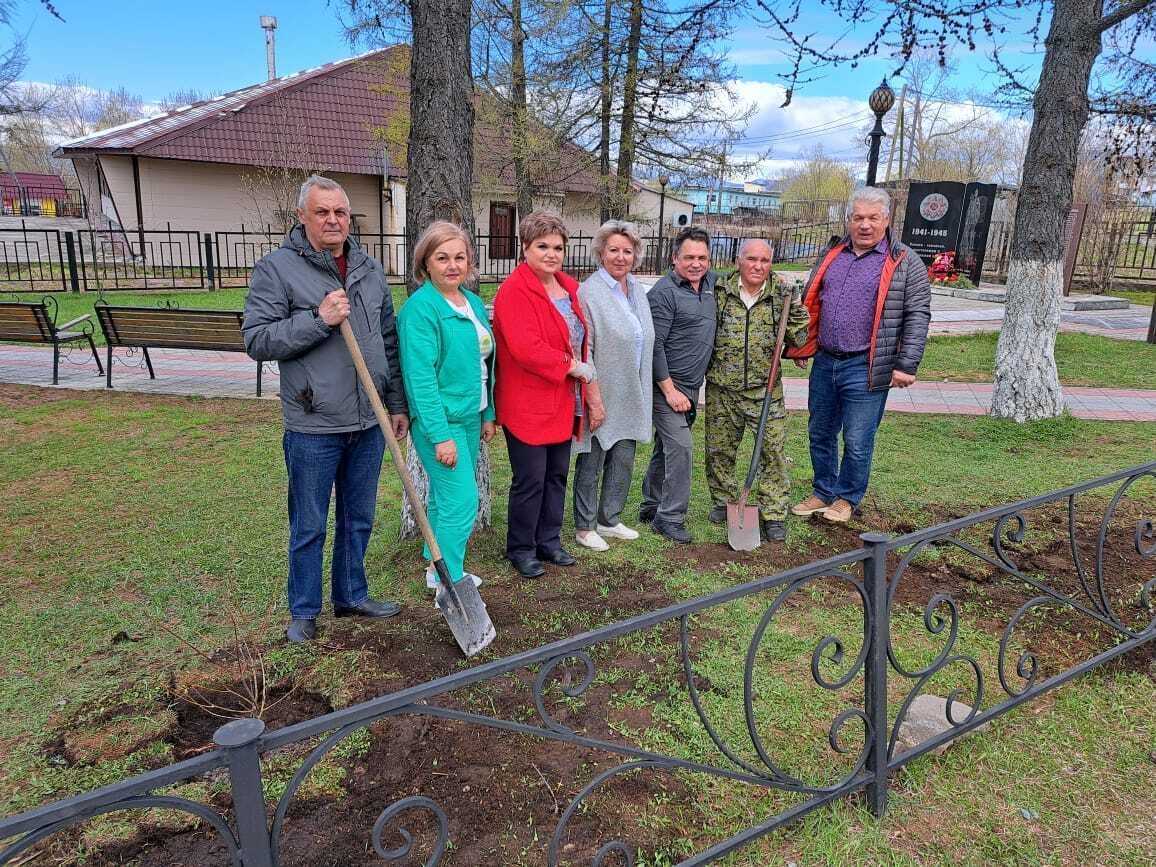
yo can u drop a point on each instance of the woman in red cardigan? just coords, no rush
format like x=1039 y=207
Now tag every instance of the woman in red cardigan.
x=540 y=391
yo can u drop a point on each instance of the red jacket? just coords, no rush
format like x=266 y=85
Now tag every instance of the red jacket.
x=533 y=394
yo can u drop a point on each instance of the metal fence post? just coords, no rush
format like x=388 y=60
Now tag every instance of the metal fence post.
x=209 y=260
x=875 y=698
x=239 y=738
x=70 y=252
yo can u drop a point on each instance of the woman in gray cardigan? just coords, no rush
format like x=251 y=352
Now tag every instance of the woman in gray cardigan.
x=621 y=337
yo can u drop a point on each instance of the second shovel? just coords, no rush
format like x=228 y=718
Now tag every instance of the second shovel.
x=744 y=532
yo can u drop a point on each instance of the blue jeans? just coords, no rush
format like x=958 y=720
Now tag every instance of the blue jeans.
x=316 y=463
x=838 y=400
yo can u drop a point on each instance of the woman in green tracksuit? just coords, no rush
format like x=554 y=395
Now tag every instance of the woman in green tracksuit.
x=447 y=366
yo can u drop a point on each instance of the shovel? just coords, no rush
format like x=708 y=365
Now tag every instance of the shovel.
x=460 y=603
x=743 y=528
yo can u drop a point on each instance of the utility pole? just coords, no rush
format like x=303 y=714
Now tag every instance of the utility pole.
x=722 y=168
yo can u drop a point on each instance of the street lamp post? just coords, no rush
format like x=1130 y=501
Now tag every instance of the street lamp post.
x=663 y=180
x=881 y=100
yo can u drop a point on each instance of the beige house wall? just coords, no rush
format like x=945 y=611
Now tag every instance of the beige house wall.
x=212 y=197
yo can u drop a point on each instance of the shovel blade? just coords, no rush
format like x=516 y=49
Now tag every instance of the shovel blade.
x=743 y=531
x=466 y=614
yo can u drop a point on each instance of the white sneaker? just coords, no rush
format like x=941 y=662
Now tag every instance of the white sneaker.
x=618 y=531
x=432 y=582
x=590 y=539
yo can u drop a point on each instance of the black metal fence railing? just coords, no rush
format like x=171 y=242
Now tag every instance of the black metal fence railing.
x=39 y=201
x=33 y=259
x=235 y=253
x=141 y=259
x=869 y=672
x=1115 y=245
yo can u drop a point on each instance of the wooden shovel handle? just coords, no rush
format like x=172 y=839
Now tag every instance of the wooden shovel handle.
x=386 y=424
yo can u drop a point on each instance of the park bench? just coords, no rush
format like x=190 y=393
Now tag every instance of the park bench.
x=170 y=328
x=35 y=322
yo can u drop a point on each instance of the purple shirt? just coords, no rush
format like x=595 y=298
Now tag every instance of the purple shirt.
x=848 y=295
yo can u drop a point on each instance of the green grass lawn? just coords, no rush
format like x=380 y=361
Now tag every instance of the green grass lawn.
x=135 y=523
x=1144 y=298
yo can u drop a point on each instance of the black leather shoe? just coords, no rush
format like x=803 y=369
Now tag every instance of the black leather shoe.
x=774 y=531
x=669 y=529
x=301 y=629
x=645 y=516
x=368 y=608
x=561 y=557
x=718 y=515
x=528 y=567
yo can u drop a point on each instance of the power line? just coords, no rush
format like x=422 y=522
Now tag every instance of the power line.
x=810 y=131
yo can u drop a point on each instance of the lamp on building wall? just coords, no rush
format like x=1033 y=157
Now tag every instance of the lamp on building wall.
x=881 y=100
x=663 y=180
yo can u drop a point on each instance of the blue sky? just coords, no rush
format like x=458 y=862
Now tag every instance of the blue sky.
x=156 y=48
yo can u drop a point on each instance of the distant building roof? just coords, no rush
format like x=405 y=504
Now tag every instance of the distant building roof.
x=330 y=118
x=31 y=180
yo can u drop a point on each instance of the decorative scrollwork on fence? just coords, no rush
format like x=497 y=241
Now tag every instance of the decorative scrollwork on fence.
x=139 y=802
x=316 y=755
x=1144 y=540
x=569 y=690
x=830 y=649
x=613 y=847
x=416 y=802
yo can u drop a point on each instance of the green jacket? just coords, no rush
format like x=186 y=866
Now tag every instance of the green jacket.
x=745 y=339
x=441 y=362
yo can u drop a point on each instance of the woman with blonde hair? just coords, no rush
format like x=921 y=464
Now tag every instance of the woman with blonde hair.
x=541 y=395
x=621 y=339
x=447 y=367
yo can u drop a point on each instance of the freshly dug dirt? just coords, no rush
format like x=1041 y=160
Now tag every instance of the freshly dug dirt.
x=504 y=793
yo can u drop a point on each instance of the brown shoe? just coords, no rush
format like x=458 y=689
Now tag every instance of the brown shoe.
x=810 y=506
x=839 y=512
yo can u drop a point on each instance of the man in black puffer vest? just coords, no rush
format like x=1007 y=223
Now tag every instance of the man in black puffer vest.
x=870 y=303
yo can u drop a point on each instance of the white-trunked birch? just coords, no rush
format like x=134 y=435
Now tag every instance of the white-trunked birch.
x=1096 y=61
x=1027 y=384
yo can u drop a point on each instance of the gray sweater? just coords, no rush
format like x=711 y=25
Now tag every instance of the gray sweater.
x=626 y=386
x=684 y=328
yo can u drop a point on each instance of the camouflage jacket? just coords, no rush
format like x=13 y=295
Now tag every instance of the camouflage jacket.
x=745 y=339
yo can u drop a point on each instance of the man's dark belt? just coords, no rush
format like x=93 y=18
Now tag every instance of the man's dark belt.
x=835 y=353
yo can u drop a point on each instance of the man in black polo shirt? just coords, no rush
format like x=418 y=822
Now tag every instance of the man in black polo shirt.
x=682 y=306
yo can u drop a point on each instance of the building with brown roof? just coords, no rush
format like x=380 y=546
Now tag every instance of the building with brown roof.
x=237 y=159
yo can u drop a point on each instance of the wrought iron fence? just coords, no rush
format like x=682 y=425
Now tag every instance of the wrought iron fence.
x=1117 y=245
x=34 y=201
x=857 y=669
x=165 y=258
x=235 y=253
x=32 y=259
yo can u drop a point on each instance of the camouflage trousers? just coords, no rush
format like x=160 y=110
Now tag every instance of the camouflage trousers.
x=728 y=415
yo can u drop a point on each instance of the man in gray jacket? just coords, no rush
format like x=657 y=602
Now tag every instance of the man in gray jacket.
x=682 y=305
x=870 y=305
x=298 y=297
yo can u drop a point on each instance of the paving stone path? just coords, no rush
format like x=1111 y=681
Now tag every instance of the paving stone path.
x=231 y=374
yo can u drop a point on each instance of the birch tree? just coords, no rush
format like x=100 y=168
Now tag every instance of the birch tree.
x=1079 y=37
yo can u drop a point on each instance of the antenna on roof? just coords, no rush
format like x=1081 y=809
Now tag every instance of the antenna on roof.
x=269 y=24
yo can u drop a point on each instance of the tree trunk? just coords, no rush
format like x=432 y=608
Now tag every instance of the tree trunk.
x=1027 y=385
x=520 y=144
x=605 y=108
x=629 y=101
x=439 y=158
x=441 y=110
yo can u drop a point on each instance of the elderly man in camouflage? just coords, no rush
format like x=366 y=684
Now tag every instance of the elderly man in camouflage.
x=870 y=303
x=750 y=307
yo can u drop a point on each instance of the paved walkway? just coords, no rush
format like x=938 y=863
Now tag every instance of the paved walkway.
x=231 y=374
